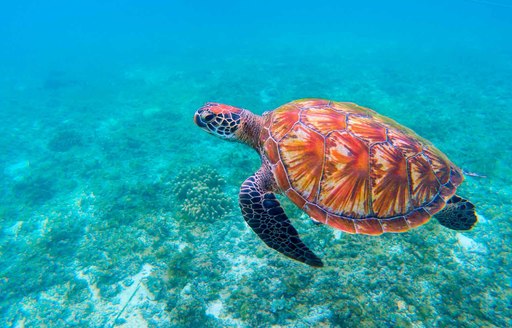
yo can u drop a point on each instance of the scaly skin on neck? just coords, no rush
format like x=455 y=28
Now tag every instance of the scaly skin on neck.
x=249 y=133
x=250 y=129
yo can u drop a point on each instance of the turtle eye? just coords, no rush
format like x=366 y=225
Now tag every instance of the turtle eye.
x=207 y=116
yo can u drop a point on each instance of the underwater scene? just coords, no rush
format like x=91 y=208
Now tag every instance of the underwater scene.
x=117 y=210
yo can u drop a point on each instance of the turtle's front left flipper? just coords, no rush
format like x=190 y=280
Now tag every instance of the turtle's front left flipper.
x=264 y=214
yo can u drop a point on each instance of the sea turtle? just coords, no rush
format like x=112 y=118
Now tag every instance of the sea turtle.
x=344 y=165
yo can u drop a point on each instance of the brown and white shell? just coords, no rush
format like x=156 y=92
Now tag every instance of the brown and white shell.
x=356 y=170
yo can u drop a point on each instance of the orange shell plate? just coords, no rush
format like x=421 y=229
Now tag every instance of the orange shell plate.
x=358 y=171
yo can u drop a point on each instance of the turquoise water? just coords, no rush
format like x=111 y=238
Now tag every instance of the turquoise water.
x=116 y=210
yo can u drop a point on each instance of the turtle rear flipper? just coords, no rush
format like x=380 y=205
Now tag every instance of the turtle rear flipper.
x=264 y=214
x=458 y=214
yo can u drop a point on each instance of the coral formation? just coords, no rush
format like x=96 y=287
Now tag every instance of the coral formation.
x=35 y=189
x=64 y=140
x=133 y=231
x=200 y=194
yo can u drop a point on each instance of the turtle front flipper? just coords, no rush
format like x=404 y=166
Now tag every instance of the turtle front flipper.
x=458 y=214
x=264 y=214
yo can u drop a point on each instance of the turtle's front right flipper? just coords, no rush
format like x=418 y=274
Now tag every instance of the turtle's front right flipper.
x=264 y=214
x=458 y=214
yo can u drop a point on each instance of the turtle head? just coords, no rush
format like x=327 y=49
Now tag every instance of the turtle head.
x=220 y=120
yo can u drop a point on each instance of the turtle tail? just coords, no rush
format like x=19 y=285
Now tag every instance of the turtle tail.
x=458 y=214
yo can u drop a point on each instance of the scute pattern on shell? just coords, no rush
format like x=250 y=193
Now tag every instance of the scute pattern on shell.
x=349 y=167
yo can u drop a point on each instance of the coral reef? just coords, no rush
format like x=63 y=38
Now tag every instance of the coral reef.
x=141 y=228
x=35 y=189
x=200 y=195
x=64 y=140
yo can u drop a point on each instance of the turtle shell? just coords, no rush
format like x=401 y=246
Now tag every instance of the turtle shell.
x=351 y=168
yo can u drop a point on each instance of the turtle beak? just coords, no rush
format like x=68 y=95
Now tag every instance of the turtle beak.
x=198 y=121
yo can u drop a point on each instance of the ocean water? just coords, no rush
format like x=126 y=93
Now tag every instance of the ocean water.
x=117 y=211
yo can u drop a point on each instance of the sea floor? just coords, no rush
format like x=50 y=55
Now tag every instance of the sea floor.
x=116 y=210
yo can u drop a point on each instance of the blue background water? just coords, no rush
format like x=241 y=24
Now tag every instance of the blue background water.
x=116 y=210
